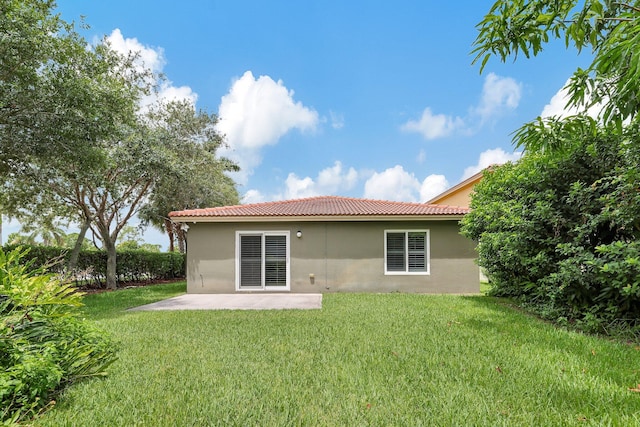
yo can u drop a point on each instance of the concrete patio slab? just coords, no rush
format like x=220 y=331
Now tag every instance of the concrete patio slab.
x=236 y=302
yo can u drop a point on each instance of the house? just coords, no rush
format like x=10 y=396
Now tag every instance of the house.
x=459 y=194
x=328 y=244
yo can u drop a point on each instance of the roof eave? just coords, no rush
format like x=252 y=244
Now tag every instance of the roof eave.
x=317 y=218
x=471 y=181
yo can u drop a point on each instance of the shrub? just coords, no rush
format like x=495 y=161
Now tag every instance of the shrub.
x=44 y=345
x=560 y=232
x=136 y=265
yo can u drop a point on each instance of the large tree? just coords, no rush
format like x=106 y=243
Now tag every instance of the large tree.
x=57 y=98
x=201 y=179
x=609 y=29
x=74 y=142
x=137 y=165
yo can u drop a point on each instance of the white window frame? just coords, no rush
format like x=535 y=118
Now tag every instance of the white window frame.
x=263 y=233
x=406 y=272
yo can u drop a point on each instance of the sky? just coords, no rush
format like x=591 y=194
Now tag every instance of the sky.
x=372 y=99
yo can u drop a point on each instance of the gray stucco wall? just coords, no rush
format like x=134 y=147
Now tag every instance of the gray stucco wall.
x=341 y=256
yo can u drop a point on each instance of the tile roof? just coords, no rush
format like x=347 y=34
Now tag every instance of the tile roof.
x=325 y=206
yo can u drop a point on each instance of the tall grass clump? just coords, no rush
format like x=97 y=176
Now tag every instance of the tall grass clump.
x=44 y=344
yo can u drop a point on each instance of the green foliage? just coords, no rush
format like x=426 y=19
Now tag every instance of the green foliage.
x=67 y=114
x=137 y=265
x=44 y=345
x=70 y=240
x=48 y=232
x=156 y=159
x=199 y=179
x=564 y=235
x=17 y=238
x=561 y=232
x=57 y=98
x=74 y=143
x=610 y=29
x=131 y=245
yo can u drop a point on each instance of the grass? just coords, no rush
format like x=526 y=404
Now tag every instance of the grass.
x=364 y=359
x=485 y=287
x=108 y=305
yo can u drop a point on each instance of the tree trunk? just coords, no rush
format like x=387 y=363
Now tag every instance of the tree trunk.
x=73 y=259
x=112 y=279
x=168 y=225
x=181 y=239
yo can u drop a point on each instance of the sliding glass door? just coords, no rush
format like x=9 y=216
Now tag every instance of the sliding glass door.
x=262 y=260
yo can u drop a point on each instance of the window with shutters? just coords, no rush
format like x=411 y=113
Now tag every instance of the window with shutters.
x=406 y=252
x=262 y=260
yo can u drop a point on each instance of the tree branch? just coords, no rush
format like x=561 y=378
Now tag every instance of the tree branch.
x=628 y=6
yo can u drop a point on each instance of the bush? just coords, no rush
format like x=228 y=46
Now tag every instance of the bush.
x=560 y=233
x=132 y=265
x=44 y=345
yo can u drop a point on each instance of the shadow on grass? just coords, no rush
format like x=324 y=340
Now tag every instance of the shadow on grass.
x=107 y=305
x=609 y=359
x=506 y=314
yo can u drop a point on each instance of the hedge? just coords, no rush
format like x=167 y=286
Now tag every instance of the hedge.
x=560 y=232
x=132 y=265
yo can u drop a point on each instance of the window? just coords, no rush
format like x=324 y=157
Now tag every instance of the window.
x=262 y=260
x=406 y=252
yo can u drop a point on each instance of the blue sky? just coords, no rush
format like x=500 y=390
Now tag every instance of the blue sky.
x=372 y=99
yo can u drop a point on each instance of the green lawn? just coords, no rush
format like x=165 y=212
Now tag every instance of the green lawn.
x=364 y=359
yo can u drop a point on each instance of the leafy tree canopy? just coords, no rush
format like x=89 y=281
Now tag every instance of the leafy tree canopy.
x=168 y=153
x=57 y=98
x=199 y=179
x=610 y=29
x=75 y=142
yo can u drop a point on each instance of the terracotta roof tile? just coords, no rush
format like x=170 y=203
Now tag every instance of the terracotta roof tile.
x=323 y=206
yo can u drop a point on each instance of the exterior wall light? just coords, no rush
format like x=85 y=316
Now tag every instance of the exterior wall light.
x=299 y=234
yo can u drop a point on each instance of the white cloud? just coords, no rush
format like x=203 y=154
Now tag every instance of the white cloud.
x=333 y=178
x=148 y=57
x=256 y=113
x=495 y=156
x=299 y=187
x=392 y=184
x=422 y=156
x=433 y=126
x=399 y=185
x=253 y=196
x=329 y=181
x=152 y=59
x=558 y=106
x=168 y=92
x=337 y=120
x=499 y=94
x=432 y=186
